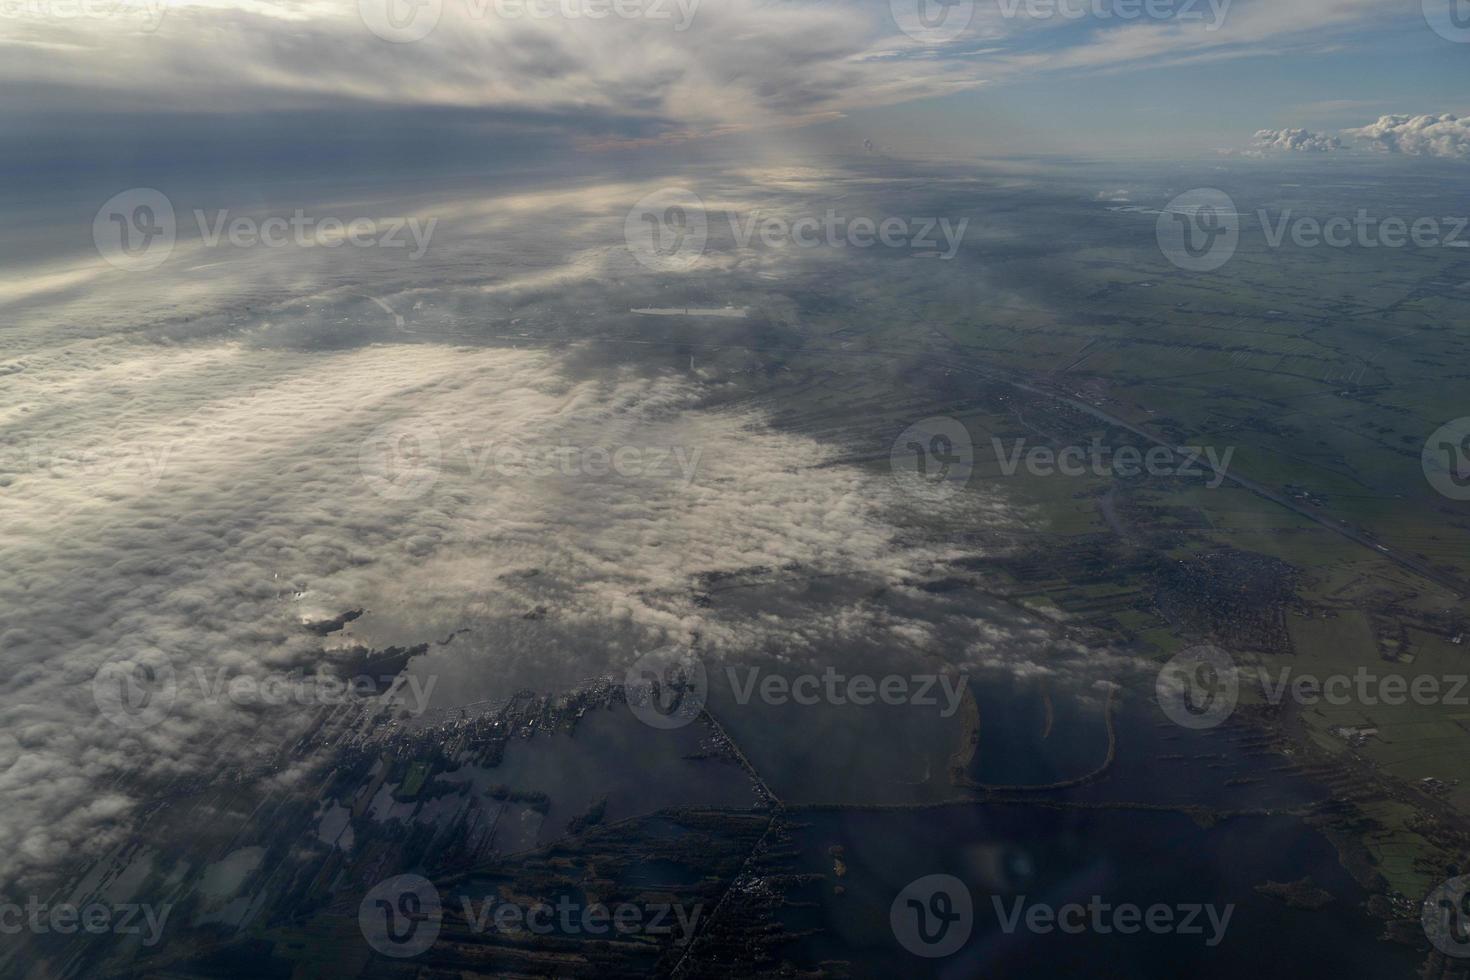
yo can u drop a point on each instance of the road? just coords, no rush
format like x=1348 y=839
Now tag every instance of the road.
x=1414 y=565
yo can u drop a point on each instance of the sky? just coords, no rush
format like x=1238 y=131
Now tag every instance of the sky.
x=413 y=82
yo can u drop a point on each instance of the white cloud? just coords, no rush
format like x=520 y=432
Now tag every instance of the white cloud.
x=173 y=497
x=741 y=64
x=1444 y=135
x=1296 y=140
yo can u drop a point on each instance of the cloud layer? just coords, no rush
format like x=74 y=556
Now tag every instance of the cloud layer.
x=698 y=69
x=191 y=462
x=736 y=64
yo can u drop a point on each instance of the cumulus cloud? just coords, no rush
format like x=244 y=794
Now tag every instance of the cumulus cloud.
x=1444 y=135
x=1296 y=140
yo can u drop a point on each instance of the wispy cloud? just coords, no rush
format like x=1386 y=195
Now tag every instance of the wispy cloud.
x=736 y=65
